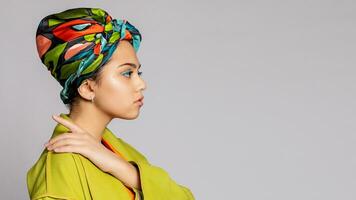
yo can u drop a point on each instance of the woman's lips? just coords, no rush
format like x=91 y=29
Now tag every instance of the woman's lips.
x=140 y=102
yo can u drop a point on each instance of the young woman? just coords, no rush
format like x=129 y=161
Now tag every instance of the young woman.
x=94 y=58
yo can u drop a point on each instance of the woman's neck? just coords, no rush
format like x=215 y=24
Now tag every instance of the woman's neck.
x=90 y=119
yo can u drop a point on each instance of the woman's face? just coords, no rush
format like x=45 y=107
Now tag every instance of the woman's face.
x=121 y=85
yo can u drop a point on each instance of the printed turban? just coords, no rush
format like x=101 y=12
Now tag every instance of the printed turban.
x=75 y=43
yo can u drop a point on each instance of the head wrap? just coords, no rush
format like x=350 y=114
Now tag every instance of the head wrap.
x=75 y=43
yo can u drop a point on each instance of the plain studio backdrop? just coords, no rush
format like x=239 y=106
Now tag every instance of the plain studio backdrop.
x=250 y=100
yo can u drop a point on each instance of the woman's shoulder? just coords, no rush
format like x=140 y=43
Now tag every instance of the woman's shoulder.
x=55 y=173
x=50 y=160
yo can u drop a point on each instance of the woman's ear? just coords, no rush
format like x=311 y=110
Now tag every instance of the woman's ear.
x=86 y=89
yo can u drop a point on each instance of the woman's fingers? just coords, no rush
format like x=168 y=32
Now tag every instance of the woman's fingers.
x=70 y=125
x=64 y=142
x=52 y=140
x=63 y=139
x=67 y=148
x=69 y=143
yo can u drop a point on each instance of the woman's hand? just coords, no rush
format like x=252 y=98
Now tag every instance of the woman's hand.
x=79 y=141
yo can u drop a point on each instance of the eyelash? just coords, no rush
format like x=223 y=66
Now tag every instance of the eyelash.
x=130 y=72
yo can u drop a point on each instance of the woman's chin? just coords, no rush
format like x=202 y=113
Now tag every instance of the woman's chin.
x=131 y=116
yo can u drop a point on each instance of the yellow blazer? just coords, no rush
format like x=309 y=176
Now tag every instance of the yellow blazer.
x=72 y=176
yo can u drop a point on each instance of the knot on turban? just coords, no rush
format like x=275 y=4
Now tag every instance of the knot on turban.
x=75 y=43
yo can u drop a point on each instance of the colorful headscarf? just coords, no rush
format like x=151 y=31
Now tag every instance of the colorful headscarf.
x=75 y=43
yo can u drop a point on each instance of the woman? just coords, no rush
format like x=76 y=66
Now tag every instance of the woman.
x=94 y=59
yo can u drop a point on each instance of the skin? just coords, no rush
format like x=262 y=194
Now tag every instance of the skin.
x=114 y=97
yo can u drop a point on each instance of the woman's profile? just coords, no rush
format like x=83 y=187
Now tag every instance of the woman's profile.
x=93 y=57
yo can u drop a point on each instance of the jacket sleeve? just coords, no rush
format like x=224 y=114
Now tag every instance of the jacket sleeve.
x=156 y=183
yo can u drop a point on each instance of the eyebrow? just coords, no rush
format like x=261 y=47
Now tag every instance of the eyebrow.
x=130 y=64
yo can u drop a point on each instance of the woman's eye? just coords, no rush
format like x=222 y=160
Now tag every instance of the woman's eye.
x=130 y=72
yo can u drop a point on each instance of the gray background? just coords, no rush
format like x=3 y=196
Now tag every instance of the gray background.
x=245 y=99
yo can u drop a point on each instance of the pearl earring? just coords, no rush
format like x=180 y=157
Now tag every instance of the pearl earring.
x=92 y=99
